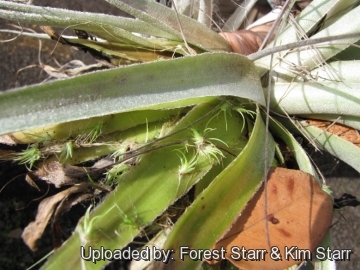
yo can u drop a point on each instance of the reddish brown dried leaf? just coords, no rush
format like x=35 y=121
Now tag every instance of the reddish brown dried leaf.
x=243 y=41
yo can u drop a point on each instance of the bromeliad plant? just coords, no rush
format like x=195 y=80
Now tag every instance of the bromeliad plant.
x=190 y=117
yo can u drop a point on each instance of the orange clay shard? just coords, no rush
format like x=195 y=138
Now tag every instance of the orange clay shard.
x=299 y=214
x=347 y=133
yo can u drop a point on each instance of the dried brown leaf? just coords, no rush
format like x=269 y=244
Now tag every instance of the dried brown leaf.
x=54 y=72
x=31 y=182
x=61 y=174
x=7 y=139
x=244 y=41
x=64 y=206
x=52 y=34
x=46 y=208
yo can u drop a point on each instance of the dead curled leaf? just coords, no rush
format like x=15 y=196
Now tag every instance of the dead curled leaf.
x=248 y=41
x=299 y=213
x=49 y=206
x=243 y=41
x=52 y=33
x=64 y=206
x=62 y=174
x=8 y=139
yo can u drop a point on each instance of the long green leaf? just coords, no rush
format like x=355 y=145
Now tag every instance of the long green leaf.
x=316 y=98
x=338 y=147
x=307 y=21
x=334 y=98
x=213 y=212
x=134 y=87
x=130 y=138
x=299 y=153
x=166 y=19
x=344 y=71
x=107 y=124
x=96 y=23
x=314 y=57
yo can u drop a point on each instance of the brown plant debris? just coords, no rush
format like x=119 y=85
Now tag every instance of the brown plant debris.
x=62 y=174
x=55 y=205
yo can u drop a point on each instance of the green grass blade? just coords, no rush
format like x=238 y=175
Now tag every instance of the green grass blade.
x=125 y=89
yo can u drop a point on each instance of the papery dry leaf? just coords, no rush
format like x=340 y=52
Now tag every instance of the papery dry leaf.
x=64 y=206
x=299 y=214
x=31 y=182
x=54 y=72
x=72 y=68
x=52 y=33
x=46 y=208
x=63 y=174
x=8 y=139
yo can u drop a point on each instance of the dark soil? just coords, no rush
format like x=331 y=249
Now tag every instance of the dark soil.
x=18 y=207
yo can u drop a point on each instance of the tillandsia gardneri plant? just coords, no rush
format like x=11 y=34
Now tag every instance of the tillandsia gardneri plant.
x=191 y=121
